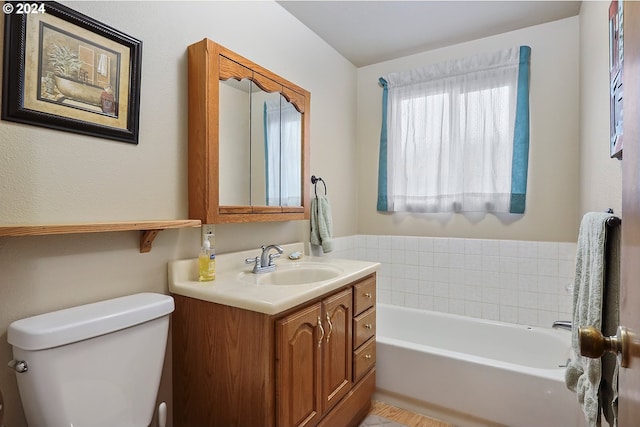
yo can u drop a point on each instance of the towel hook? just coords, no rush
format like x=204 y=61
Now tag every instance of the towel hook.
x=314 y=181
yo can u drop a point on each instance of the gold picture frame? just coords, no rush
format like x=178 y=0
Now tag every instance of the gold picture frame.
x=64 y=70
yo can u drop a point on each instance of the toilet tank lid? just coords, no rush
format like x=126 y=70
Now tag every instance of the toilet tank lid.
x=87 y=321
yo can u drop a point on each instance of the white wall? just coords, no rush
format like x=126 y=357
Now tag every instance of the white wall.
x=600 y=176
x=553 y=182
x=51 y=176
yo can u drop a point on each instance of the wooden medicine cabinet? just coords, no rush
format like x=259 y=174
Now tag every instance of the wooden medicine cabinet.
x=248 y=140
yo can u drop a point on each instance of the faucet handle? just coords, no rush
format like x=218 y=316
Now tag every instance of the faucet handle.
x=255 y=260
x=272 y=256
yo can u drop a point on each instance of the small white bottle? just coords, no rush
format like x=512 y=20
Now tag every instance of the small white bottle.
x=207 y=262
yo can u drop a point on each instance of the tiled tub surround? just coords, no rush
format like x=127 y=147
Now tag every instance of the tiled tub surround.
x=521 y=282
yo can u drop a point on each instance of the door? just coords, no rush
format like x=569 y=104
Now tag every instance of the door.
x=298 y=367
x=337 y=348
x=629 y=380
x=629 y=376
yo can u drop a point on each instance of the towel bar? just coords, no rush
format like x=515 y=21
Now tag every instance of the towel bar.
x=613 y=221
x=314 y=181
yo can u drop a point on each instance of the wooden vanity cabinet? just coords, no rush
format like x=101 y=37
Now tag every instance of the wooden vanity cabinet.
x=364 y=327
x=313 y=360
x=235 y=367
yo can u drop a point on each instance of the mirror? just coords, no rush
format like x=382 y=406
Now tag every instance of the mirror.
x=248 y=140
x=235 y=140
x=276 y=141
x=260 y=146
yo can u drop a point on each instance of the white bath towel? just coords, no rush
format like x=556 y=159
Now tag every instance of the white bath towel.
x=321 y=223
x=583 y=374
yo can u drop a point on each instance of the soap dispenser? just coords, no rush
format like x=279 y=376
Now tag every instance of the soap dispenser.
x=207 y=262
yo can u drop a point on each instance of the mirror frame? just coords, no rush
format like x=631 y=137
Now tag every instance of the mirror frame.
x=209 y=63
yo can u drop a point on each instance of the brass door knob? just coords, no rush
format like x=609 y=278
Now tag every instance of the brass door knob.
x=593 y=344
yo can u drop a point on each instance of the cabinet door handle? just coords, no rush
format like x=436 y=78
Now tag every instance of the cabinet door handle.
x=330 y=327
x=367 y=356
x=368 y=326
x=368 y=295
x=321 y=330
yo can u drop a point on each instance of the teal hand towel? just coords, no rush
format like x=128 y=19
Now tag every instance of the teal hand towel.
x=321 y=223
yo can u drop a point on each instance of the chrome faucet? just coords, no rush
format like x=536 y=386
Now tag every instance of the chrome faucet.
x=562 y=324
x=264 y=263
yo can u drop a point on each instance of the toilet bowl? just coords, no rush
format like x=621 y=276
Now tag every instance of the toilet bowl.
x=95 y=365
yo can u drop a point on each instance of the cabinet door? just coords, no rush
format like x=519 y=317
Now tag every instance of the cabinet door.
x=298 y=343
x=337 y=348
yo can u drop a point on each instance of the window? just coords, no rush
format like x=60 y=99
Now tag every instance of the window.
x=455 y=136
x=283 y=151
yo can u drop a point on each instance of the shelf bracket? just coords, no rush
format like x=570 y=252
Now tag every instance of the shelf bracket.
x=146 y=239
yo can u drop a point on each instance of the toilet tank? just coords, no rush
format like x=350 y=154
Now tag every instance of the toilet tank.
x=95 y=365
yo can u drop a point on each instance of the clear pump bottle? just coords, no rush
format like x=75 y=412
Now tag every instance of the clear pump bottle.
x=207 y=262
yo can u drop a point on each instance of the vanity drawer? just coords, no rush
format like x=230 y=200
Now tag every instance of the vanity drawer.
x=364 y=327
x=364 y=359
x=364 y=295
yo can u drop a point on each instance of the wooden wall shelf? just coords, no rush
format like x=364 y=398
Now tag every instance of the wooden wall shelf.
x=148 y=229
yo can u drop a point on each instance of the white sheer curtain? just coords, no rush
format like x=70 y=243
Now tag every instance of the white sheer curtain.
x=449 y=135
x=283 y=131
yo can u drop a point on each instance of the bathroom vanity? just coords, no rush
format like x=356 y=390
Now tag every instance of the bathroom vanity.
x=302 y=354
x=290 y=347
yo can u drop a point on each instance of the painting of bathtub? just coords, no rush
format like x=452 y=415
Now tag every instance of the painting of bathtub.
x=83 y=92
x=78 y=75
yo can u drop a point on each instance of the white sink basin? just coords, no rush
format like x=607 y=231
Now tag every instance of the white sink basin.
x=297 y=274
x=292 y=283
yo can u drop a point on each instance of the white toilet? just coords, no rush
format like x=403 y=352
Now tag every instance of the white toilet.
x=95 y=365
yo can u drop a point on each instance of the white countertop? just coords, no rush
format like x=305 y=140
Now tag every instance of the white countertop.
x=236 y=286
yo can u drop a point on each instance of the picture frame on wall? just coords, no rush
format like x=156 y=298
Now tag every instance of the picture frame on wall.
x=66 y=71
x=616 y=56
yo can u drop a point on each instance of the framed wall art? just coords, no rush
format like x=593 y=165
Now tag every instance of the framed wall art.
x=66 y=71
x=616 y=56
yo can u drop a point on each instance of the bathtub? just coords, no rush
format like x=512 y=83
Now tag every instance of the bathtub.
x=473 y=372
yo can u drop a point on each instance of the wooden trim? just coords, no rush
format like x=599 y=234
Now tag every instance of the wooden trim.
x=255 y=67
x=202 y=119
x=266 y=84
x=230 y=69
x=297 y=99
x=266 y=209
x=149 y=229
x=293 y=209
x=96 y=227
x=230 y=218
x=230 y=210
x=351 y=410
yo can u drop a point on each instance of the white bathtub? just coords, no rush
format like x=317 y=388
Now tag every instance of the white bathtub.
x=473 y=372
